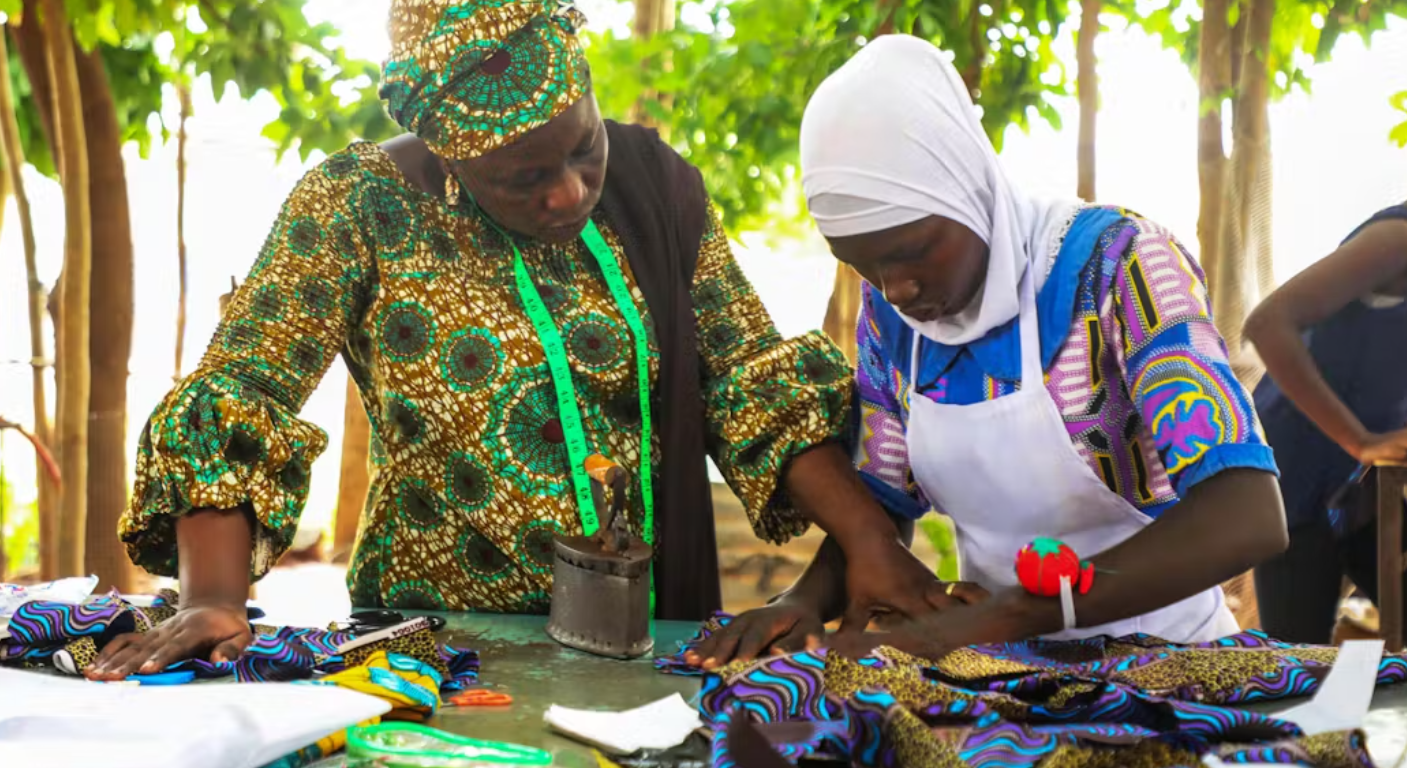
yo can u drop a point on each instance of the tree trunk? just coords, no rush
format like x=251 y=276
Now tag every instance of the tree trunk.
x=1245 y=257
x=977 y=39
x=28 y=32
x=1214 y=84
x=843 y=311
x=651 y=18
x=1088 y=87
x=110 y=340
x=183 y=91
x=14 y=165
x=29 y=42
x=354 y=480
x=73 y=333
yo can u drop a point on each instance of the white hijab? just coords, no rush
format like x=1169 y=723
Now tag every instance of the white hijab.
x=893 y=137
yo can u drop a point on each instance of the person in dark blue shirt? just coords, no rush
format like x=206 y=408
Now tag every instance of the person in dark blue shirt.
x=1334 y=399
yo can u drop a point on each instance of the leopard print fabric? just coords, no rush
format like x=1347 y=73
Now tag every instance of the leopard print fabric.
x=1131 y=702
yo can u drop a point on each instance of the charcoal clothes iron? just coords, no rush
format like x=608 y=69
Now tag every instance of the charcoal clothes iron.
x=601 y=583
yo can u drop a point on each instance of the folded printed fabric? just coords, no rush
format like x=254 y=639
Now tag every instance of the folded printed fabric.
x=410 y=672
x=411 y=687
x=68 y=638
x=1135 y=701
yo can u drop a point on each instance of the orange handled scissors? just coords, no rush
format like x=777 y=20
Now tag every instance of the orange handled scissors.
x=480 y=697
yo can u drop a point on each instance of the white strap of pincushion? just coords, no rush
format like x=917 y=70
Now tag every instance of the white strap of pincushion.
x=1067 y=602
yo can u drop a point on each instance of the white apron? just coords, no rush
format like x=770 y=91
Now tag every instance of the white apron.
x=1006 y=472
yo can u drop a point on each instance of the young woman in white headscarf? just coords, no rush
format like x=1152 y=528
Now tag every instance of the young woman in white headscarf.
x=1031 y=369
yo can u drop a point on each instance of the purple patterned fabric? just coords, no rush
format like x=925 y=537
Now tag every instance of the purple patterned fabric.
x=1016 y=705
x=68 y=637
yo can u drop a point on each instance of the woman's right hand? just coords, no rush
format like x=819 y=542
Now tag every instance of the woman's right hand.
x=1389 y=448
x=785 y=626
x=216 y=632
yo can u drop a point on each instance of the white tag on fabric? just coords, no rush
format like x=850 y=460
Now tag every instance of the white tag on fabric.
x=1345 y=695
x=389 y=633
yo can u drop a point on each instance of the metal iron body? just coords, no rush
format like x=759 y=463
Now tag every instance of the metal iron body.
x=601 y=583
x=601 y=600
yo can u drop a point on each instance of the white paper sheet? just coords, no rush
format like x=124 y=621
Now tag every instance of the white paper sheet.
x=1343 y=699
x=665 y=723
x=61 y=722
x=71 y=590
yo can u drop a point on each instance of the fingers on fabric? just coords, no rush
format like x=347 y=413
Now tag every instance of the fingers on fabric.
x=939 y=597
x=113 y=655
x=854 y=645
x=181 y=645
x=795 y=641
x=970 y=593
x=131 y=652
x=954 y=593
x=721 y=646
x=759 y=637
x=229 y=650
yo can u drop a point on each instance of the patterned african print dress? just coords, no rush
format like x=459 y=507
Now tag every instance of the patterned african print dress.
x=471 y=478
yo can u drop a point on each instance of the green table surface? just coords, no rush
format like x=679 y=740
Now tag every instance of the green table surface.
x=519 y=658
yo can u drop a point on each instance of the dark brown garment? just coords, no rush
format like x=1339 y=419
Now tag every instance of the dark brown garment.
x=658 y=205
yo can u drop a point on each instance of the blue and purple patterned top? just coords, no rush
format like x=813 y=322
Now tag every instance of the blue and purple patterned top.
x=1131 y=358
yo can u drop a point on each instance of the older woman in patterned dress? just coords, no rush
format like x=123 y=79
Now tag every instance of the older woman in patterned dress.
x=506 y=301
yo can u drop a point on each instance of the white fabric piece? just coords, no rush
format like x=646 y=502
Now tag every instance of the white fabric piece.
x=663 y=724
x=66 y=723
x=71 y=591
x=893 y=137
x=1344 y=697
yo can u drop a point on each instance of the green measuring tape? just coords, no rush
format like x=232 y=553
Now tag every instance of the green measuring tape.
x=568 y=404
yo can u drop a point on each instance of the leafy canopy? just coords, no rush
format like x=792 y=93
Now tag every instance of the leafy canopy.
x=326 y=98
x=729 y=84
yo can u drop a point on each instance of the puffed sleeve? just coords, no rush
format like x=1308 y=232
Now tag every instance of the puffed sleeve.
x=1175 y=364
x=228 y=435
x=767 y=399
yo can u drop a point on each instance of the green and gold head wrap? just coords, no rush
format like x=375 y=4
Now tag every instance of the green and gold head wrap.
x=470 y=76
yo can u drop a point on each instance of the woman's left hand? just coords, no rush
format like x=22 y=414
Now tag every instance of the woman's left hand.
x=1010 y=615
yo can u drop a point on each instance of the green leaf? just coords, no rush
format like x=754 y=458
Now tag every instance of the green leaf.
x=1399 y=101
x=1398 y=135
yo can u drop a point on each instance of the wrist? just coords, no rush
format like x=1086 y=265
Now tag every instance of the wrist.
x=1032 y=616
x=1357 y=442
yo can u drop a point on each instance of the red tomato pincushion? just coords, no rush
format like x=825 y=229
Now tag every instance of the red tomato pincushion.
x=1041 y=564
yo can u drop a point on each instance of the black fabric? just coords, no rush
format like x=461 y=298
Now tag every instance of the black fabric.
x=1297 y=592
x=1357 y=350
x=657 y=204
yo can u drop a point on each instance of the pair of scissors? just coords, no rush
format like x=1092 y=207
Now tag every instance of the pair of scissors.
x=480 y=697
x=370 y=621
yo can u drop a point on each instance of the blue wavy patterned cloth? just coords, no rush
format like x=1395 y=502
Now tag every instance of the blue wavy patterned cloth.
x=1131 y=701
x=68 y=637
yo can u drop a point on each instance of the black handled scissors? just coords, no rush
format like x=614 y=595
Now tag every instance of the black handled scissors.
x=381 y=618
